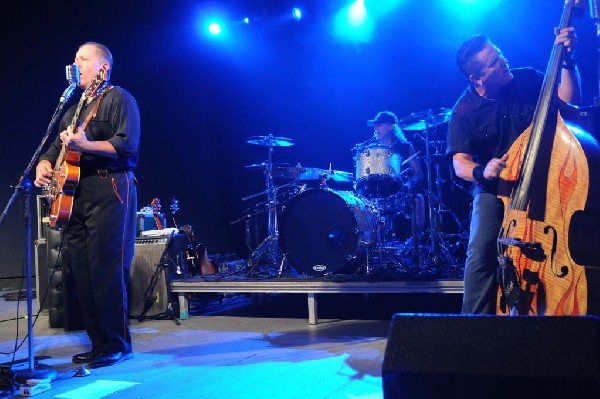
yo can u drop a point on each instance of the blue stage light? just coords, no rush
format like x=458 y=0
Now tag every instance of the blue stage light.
x=357 y=13
x=297 y=13
x=214 y=28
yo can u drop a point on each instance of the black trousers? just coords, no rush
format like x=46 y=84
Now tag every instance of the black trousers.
x=101 y=241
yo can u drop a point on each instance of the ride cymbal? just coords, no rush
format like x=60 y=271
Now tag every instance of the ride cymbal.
x=423 y=119
x=270 y=141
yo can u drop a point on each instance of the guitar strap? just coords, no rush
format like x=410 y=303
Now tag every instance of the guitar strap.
x=95 y=108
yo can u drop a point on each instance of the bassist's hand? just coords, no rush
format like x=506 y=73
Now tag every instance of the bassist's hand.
x=43 y=173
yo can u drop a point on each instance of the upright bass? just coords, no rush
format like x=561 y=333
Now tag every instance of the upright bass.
x=551 y=193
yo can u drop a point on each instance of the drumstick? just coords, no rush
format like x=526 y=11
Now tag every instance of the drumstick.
x=411 y=157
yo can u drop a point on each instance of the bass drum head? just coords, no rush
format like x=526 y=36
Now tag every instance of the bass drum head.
x=320 y=230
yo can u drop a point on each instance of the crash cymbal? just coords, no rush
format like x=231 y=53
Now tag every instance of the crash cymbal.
x=271 y=141
x=423 y=119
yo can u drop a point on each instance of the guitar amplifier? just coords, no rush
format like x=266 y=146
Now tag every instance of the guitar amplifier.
x=146 y=221
x=157 y=261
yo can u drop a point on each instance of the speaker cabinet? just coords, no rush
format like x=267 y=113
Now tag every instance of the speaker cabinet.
x=459 y=356
x=157 y=261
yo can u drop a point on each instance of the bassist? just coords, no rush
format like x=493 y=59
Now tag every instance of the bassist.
x=492 y=112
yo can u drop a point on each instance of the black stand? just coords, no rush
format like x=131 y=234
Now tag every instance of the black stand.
x=149 y=299
x=597 y=98
x=34 y=370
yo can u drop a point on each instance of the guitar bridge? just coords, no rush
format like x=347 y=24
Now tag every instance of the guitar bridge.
x=517 y=242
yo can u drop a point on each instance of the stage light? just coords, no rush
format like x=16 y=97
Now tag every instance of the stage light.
x=297 y=13
x=246 y=20
x=214 y=28
x=357 y=13
x=353 y=24
x=470 y=10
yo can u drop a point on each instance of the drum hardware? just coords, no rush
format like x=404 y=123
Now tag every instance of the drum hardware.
x=438 y=252
x=268 y=249
x=384 y=247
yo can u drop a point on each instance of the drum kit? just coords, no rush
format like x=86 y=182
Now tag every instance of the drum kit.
x=321 y=230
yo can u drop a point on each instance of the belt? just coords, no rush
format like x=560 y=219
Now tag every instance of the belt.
x=102 y=172
x=113 y=170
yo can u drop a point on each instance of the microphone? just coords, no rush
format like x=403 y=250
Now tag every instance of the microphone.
x=595 y=14
x=72 y=75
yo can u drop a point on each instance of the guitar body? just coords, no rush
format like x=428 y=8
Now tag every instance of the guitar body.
x=550 y=281
x=62 y=191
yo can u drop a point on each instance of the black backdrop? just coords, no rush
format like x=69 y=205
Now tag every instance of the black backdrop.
x=200 y=101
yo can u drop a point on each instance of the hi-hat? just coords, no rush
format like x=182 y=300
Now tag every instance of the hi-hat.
x=277 y=169
x=324 y=174
x=271 y=141
x=423 y=119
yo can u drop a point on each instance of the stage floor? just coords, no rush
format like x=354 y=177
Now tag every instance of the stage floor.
x=234 y=346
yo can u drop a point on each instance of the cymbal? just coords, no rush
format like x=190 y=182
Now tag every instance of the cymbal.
x=263 y=165
x=319 y=174
x=341 y=177
x=278 y=169
x=421 y=120
x=270 y=141
x=311 y=173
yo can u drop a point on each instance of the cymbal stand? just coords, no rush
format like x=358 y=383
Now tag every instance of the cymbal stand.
x=438 y=253
x=269 y=247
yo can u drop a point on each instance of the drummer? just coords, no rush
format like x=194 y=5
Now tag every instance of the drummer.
x=387 y=132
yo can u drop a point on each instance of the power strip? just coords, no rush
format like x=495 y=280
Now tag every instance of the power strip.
x=34 y=387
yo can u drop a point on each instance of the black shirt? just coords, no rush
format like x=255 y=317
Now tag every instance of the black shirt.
x=116 y=121
x=486 y=128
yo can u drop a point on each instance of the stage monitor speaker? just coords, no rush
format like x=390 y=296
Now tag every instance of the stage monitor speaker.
x=147 y=270
x=460 y=356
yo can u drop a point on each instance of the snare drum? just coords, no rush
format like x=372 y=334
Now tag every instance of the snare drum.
x=322 y=231
x=378 y=170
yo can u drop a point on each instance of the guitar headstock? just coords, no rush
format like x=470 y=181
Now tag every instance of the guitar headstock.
x=174 y=206
x=97 y=85
x=155 y=205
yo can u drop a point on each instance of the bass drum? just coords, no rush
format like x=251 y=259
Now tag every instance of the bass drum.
x=322 y=231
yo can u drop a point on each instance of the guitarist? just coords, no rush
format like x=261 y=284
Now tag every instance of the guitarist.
x=104 y=129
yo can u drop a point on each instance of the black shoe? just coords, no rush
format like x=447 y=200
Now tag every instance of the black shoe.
x=85 y=357
x=108 y=359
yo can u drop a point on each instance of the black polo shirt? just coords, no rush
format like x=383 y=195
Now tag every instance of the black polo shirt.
x=486 y=128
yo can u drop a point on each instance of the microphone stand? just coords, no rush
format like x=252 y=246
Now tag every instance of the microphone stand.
x=34 y=371
x=597 y=98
